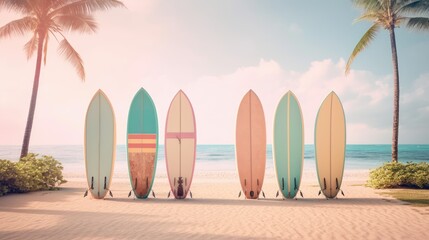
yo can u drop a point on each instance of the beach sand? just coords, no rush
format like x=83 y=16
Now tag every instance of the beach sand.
x=215 y=212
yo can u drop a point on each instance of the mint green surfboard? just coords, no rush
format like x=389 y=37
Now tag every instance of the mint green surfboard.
x=100 y=145
x=142 y=143
x=288 y=145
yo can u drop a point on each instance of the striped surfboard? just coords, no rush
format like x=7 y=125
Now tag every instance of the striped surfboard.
x=180 y=145
x=142 y=143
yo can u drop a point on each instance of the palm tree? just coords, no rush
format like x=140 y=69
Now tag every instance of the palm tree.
x=389 y=14
x=51 y=18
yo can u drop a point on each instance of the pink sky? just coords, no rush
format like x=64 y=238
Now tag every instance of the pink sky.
x=134 y=49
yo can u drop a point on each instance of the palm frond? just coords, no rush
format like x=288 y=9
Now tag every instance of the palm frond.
x=73 y=57
x=86 y=7
x=81 y=22
x=15 y=5
x=362 y=44
x=31 y=46
x=368 y=16
x=418 y=23
x=386 y=4
x=18 y=27
x=370 y=5
x=59 y=3
x=413 y=7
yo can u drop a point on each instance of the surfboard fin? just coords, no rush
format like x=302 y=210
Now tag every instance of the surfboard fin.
x=263 y=194
x=277 y=194
x=283 y=183
x=342 y=192
x=86 y=193
x=295 y=188
x=105 y=182
x=169 y=192
x=129 y=194
x=110 y=193
x=324 y=183
x=92 y=182
x=190 y=194
x=320 y=191
x=300 y=193
x=153 y=194
x=239 y=194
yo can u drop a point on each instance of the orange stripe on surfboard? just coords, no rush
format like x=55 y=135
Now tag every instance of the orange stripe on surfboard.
x=141 y=141
x=141 y=145
x=140 y=150
x=141 y=136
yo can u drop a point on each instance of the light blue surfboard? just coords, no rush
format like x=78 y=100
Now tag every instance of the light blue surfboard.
x=288 y=145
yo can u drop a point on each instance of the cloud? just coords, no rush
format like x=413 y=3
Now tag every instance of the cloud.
x=62 y=102
x=367 y=100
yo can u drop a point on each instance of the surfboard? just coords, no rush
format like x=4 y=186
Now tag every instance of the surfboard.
x=180 y=145
x=142 y=143
x=100 y=145
x=250 y=145
x=330 y=145
x=288 y=145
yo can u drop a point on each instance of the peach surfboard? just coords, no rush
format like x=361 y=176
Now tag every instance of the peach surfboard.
x=251 y=145
x=180 y=145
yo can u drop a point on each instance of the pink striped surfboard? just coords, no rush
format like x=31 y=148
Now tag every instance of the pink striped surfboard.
x=180 y=145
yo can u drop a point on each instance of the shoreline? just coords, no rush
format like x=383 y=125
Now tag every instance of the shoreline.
x=215 y=212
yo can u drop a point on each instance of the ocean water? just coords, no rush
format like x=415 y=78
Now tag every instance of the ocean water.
x=222 y=157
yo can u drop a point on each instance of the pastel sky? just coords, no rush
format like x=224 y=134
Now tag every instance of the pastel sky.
x=216 y=50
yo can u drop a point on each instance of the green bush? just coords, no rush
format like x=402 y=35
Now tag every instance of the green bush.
x=395 y=175
x=8 y=177
x=30 y=174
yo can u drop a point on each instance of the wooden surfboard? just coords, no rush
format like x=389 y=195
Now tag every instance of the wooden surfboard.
x=180 y=145
x=142 y=143
x=288 y=145
x=100 y=145
x=250 y=145
x=330 y=145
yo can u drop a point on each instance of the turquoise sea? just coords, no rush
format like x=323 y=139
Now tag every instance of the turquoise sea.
x=222 y=157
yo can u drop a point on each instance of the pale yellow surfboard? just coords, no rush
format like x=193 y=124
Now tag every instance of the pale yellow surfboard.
x=100 y=145
x=330 y=145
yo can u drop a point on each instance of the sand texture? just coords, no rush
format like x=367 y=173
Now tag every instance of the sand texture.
x=215 y=212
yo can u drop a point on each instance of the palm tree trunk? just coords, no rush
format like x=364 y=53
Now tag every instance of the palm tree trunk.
x=395 y=95
x=27 y=134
